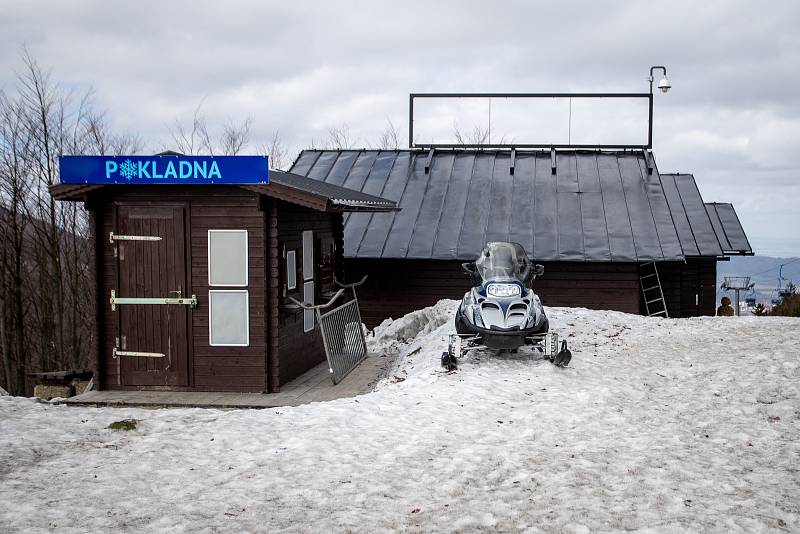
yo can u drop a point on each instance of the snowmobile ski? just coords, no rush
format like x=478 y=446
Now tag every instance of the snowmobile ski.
x=454 y=351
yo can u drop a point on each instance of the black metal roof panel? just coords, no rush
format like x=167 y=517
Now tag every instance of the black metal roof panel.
x=592 y=206
x=728 y=229
x=696 y=234
x=339 y=196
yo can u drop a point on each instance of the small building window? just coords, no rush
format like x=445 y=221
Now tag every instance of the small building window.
x=291 y=269
x=308 y=255
x=308 y=298
x=227 y=258
x=228 y=318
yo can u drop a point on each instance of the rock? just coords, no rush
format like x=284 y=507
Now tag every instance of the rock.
x=48 y=392
x=80 y=386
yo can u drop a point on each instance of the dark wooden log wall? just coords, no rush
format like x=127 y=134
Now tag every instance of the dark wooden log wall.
x=229 y=368
x=216 y=207
x=396 y=287
x=108 y=321
x=690 y=287
x=708 y=286
x=299 y=351
x=273 y=294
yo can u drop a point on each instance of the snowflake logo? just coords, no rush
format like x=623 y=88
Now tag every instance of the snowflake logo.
x=127 y=169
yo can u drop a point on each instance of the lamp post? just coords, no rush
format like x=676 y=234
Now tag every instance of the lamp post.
x=664 y=86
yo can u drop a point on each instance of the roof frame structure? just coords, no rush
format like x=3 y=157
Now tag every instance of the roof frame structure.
x=600 y=146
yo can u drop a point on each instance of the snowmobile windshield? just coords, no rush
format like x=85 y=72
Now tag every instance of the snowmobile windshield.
x=503 y=261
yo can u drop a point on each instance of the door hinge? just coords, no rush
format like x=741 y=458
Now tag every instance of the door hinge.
x=118 y=237
x=135 y=354
x=117 y=301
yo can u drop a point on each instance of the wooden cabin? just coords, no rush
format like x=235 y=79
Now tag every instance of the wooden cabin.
x=597 y=220
x=230 y=255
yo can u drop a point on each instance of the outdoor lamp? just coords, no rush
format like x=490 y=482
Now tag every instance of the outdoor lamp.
x=664 y=84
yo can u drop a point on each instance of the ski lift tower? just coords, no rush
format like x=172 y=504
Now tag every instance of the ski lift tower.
x=737 y=283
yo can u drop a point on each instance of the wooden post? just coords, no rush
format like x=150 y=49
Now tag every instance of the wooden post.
x=273 y=362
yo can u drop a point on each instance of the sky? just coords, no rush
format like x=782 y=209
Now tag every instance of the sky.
x=732 y=117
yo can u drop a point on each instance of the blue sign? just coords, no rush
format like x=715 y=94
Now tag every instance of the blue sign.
x=164 y=169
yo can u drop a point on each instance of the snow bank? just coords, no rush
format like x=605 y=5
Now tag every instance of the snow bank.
x=391 y=334
x=658 y=425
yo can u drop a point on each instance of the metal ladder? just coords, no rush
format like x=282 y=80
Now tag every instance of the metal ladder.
x=652 y=292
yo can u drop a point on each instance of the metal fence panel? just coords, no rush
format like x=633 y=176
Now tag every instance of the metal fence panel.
x=342 y=333
x=343 y=337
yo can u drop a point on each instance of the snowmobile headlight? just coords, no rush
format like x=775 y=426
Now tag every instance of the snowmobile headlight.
x=503 y=290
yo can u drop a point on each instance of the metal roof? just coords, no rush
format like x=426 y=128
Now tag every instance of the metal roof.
x=728 y=229
x=563 y=205
x=696 y=234
x=338 y=195
x=282 y=185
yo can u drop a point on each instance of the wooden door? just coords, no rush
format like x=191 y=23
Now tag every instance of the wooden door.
x=153 y=269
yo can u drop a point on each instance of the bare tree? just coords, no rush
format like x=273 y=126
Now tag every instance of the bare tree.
x=277 y=152
x=101 y=140
x=14 y=185
x=198 y=139
x=47 y=117
x=389 y=138
x=46 y=289
x=194 y=139
x=339 y=137
x=235 y=137
x=477 y=136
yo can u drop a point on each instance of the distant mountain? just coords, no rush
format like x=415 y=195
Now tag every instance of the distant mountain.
x=763 y=271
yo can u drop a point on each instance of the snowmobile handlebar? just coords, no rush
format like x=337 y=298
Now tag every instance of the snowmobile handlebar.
x=471 y=270
x=534 y=271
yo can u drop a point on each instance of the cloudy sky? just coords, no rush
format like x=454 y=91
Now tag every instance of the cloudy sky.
x=299 y=68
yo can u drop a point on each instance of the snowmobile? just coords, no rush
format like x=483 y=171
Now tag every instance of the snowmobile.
x=501 y=312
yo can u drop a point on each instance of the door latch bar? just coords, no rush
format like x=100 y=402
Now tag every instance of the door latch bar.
x=117 y=237
x=116 y=301
x=135 y=354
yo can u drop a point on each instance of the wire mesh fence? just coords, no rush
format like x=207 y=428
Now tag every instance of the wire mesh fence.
x=343 y=336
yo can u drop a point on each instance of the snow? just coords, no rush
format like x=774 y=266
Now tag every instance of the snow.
x=658 y=425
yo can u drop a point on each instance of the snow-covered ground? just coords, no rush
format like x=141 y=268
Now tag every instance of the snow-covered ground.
x=658 y=425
